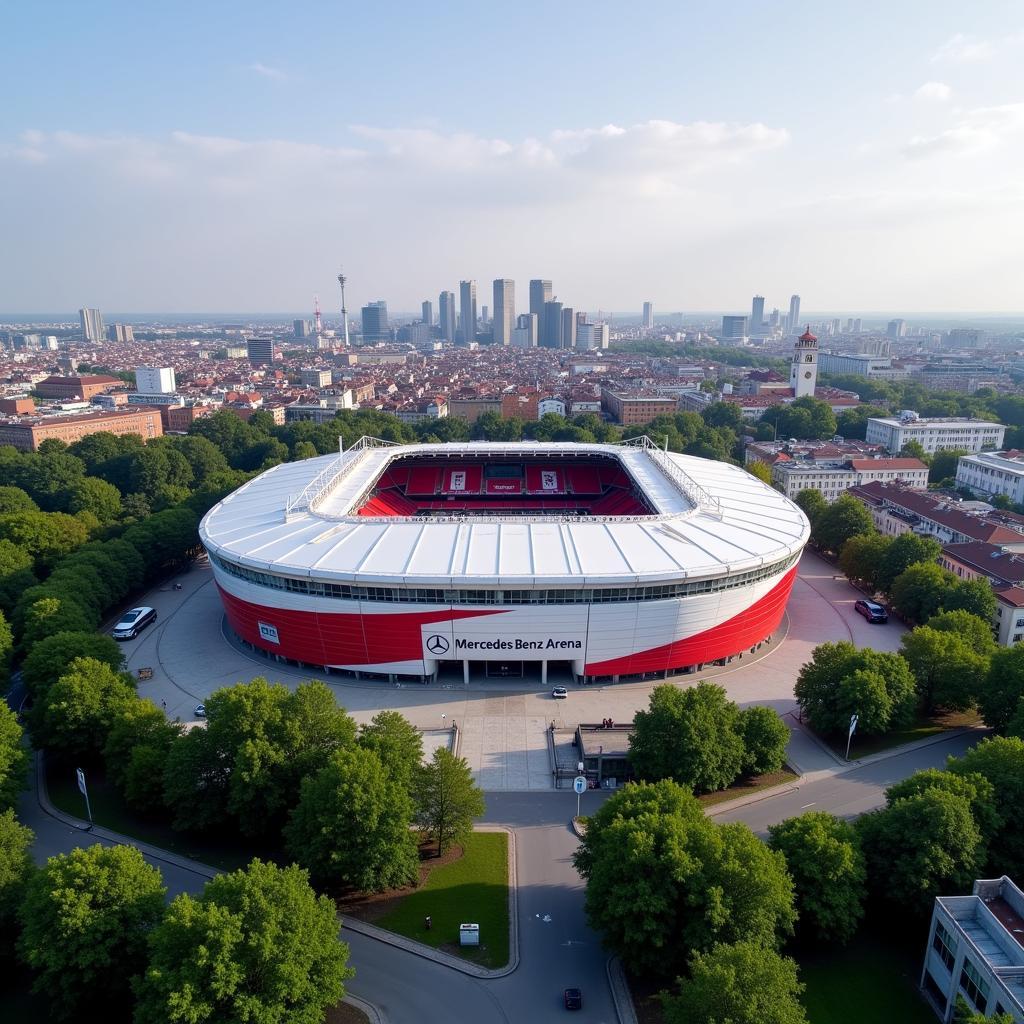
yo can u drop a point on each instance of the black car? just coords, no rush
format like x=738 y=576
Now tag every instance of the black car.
x=872 y=611
x=573 y=999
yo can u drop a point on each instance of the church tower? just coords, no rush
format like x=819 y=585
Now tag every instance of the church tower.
x=804 y=374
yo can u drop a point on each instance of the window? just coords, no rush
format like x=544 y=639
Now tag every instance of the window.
x=974 y=986
x=945 y=945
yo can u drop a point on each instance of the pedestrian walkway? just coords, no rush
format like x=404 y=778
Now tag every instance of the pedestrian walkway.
x=506 y=752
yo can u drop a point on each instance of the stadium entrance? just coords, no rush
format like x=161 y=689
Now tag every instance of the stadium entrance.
x=536 y=673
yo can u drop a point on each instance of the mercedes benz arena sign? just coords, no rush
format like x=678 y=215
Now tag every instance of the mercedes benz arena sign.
x=618 y=560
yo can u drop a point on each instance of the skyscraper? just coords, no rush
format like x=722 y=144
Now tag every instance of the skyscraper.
x=92 y=325
x=540 y=293
x=757 y=316
x=551 y=332
x=375 y=322
x=504 y=310
x=467 y=311
x=896 y=328
x=734 y=328
x=428 y=313
x=446 y=315
x=302 y=328
x=260 y=351
x=525 y=333
x=648 y=316
x=793 y=323
x=568 y=327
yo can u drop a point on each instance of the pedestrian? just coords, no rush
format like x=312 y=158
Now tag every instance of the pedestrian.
x=163 y=704
x=427 y=922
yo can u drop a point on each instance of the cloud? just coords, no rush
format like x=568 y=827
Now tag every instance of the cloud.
x=979 y=131
x=267 y=71
x=934 y=91
x=964 y=49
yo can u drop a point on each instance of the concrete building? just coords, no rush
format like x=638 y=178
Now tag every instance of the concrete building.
x=155 y=380
x=315 y=378
x=525 y=333
x=467 y=312
x=861 y=365
x=632 y=408
x=934 y=434
x=992 y=473
x=504 y=310
x=83 y=387
x=375 y=322
x=568 y=327
x=302 y=328
x=803 y=373
x=28 y=434
x=551 y=332
x=757 y=316
x=427 y=312
x=793 y=320
x=92 y=325
x=648 y=316
x=896 y=329
x=734 y=330
x=976 y=950
x=834 y=479
x=123 y=333
x=260 y=351
x=592 y=336
x=446 y=315
x=540 y=294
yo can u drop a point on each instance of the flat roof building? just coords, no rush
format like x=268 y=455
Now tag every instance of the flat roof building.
x=28 y=435
x=991 y=473
x=83 y=387
x=934 y=434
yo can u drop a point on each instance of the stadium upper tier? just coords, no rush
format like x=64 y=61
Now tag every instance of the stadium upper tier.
x=498 y=514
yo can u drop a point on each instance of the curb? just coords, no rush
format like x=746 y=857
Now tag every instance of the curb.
x=421 y=949
x=371 y=1011
x=621 y=995
x=907 y=748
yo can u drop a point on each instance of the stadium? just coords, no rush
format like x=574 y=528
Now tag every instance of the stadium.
x=602 y=561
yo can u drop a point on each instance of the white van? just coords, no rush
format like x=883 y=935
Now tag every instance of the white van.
x=133 y=622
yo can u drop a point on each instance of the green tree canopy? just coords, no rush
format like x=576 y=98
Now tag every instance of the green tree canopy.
x=973 y=596
x=50 y=658
x=259 y=945
x=862 y=557
x=49 y=615
x=922 y=591
x=765 y=736
x=1002 y=688
x=91 y=494
x=102 y=902
x=13 y=758
x=16 y=575
x=16 y=868
x=397 y=743
x=904 y=551
x=823 y=857
x=976 y=631
x=14 y=499
x=811 y=502
x=949 y=671
x=943 y=464
x=688 y=735
x=138 y=743
x=46 y=536
x=6 y=648
x=446 y=799
x=742 y=983
x=351 y=825
x=844 y=518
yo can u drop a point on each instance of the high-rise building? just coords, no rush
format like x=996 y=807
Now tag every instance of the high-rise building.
x=525 y=333
x=504 y=310
x=793 y=323
x=92 y=325
x=568 y=327
x=757 y=316
x=427 y=313
x=551 y=332
x=155 y=380
x=734 y=328
x=896 y=328
x=835 y=326
x=857 y=325
x=260 y=351
x=446 y=315
x=591 y=336
x=540 y=294
x=302 y=328
x=467 y=311
x=803 y=373
x=375 y=322
x=121 y=332
x=648 y=316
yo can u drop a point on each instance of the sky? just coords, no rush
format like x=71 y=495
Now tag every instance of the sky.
x=233 y=156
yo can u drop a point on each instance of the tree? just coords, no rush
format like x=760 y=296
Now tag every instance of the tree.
x=138 y=744
x=445 y=798
x=91 y=494
x=943 y=464
x=1002 y=688
x=765 y=736
x=962 y=1014
x=664 y=881
x=922 y=591
x=6 y=647
x=196 y=782
x=351 y=825
x=49 y=659
x=102 y=902
x=949 y=672
x=811 y=502
x=724 y=414
x=921 y=847
x=14 y=758
x=901 y=553
x=844 y=518
x=49 y=615
x=258 y=945
x=915 y=450
x=743 y=983
x=1015 y=727
x=827 y=867
x=14 y=499
x=688 y=735
x=397 y=743
x=841 y=680
x=16 y=574
x=1001 y=761
x=973 y=596
x=46 y=536
x=758 y=469
x=16 y=868
x=71 y=717
x=975 y=631
x=862 y=557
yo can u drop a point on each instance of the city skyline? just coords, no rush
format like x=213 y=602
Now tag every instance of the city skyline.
x=875 y=171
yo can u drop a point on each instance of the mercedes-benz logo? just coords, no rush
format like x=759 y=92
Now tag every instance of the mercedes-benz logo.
x=437 y=644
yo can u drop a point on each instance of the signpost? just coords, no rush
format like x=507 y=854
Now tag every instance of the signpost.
x=85 y=792
x=849 y=736
x=580 y=785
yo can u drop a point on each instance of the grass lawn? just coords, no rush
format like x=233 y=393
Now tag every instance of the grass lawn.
x=226 y=851
x=472 y=888
x=869 y=980
x=748 y=786
x=865 y=746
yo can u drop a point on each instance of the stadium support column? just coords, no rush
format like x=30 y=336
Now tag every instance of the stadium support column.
x=543 y=673
x=465 y=671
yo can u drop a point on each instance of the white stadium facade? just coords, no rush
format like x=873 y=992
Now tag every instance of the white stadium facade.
x=610 y=561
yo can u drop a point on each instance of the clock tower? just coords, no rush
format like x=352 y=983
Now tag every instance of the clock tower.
x=804 y=374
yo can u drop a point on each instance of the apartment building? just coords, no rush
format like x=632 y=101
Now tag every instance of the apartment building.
x=934 y=434
x=991 y=473
x=28 y=435
x=632 y=408
x=836 y=478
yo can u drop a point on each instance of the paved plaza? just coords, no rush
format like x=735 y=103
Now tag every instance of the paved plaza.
x=504 y=725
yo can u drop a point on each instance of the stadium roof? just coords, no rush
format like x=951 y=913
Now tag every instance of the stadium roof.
x=712 y=519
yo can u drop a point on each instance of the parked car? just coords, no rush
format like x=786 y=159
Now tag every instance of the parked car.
x=133 y=622
x=559 y=693
x=872 y=611
x=200 y=711
x=573 y=999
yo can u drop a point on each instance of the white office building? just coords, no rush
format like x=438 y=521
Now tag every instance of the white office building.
x=648 y=316
x=975 y=951
x=992 y=473
x=92 y=325
x=861 y=365
x=592 y=336
x=934 y=435
x=155 y=380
